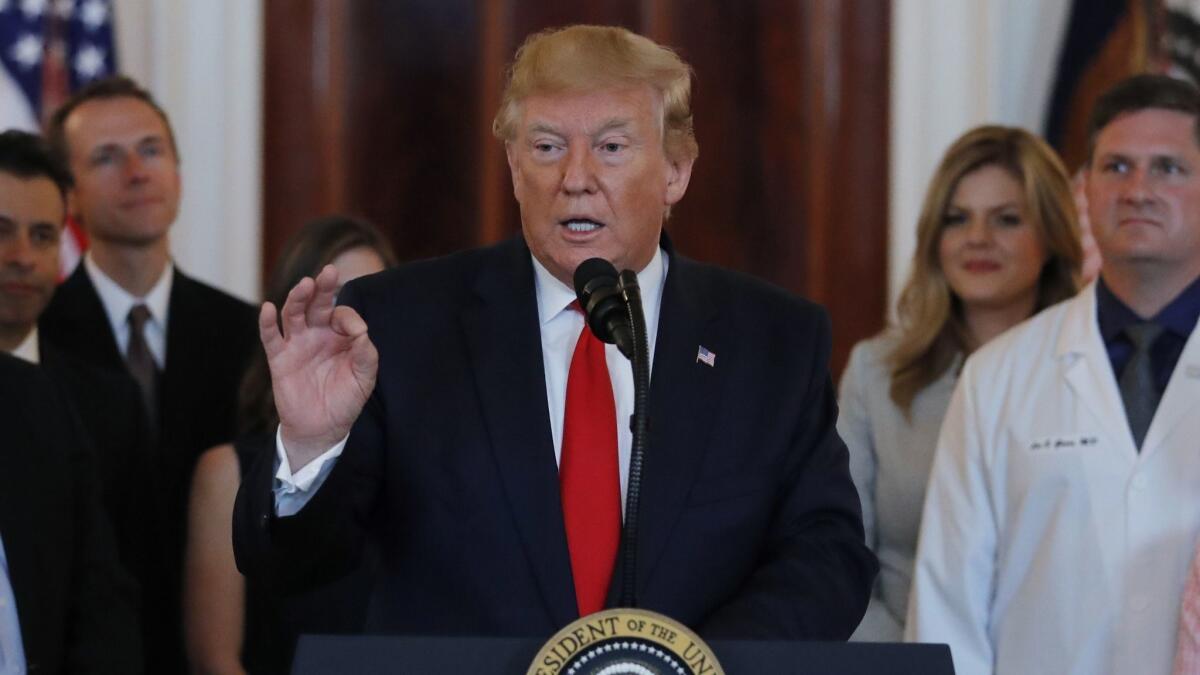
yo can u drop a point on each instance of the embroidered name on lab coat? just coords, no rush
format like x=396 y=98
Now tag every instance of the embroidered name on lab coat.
x=1071 y=442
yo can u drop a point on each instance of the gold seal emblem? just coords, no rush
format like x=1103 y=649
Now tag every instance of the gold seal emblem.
x=625 y=642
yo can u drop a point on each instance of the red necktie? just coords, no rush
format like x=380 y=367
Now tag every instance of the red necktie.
x=588 y=475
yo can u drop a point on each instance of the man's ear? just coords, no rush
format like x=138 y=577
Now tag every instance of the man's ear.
x=679 y=173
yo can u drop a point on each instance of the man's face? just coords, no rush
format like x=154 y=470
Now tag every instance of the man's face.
x=592 y=179
x=31 y=221
x=1143 y=190
x=126 y=174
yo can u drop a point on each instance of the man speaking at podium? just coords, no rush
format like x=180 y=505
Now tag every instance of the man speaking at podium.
x=478 y=438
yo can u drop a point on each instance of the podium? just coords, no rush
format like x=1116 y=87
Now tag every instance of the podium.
x=377 y=655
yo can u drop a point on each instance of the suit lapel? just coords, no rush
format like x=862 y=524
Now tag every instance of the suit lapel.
x=77 y=322
x=684 y=394
x=1088 y=372
x=503 y=337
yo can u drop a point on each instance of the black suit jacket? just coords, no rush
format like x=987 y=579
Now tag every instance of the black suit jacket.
x=210 y=338
x=750 y=523
x=110 y=408
x=74 y=602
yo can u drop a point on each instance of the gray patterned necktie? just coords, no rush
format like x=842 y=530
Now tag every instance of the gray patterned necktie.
x=1137 y=380
x=141 y=362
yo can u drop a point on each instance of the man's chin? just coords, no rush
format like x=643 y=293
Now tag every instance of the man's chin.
x=133 y=239
x=19 y=319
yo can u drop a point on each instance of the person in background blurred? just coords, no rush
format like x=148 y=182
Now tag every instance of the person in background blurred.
x=997 y=241
x=1061 y=511
x=129 y=309
x=231 y=627
x=66 y=605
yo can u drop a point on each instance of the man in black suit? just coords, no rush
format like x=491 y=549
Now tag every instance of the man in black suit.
x=74 y=605
x=128 y=309
x=496 y=415
x=33 y=193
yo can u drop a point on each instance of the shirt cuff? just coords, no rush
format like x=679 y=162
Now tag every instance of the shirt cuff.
x=292 y=491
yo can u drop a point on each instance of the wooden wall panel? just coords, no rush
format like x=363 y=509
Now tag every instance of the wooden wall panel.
x=412 y=97
x=846 y=129
x=301 y=145
x=383 y=108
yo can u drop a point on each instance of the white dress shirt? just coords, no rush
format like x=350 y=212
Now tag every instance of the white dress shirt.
x=560 y=329
x=12 y=647
x=117 y=302
x=28 y=349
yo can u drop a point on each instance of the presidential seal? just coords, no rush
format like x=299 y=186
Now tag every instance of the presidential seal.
x=625 y=642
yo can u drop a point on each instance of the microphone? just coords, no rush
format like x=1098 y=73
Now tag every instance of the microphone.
x=600 y=296
x=613 y=306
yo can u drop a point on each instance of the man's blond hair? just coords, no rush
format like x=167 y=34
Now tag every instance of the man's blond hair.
x=591 y=58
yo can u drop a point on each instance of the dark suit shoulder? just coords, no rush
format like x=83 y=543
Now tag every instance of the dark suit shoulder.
x=76 y=322
x=194 y=292
x=740 y=295
x=208 y=325
x=76 y=288
x=440 y=287
x=443 y=275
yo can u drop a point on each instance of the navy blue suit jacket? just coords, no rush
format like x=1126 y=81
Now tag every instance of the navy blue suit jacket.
x=750 y=523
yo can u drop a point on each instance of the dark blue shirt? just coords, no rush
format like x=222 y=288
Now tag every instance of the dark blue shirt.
x=1177 y=319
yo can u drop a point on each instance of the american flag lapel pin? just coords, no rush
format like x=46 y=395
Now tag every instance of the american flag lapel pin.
x=706 y=357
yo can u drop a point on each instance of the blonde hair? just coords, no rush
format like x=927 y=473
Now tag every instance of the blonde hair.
x=588 y=58
x=931 y=328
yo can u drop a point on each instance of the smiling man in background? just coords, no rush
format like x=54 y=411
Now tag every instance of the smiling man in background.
x=127 y=308
x=65 y=603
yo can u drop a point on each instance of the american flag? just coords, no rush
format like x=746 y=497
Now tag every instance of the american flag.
x=706 y=357
x=48 y=49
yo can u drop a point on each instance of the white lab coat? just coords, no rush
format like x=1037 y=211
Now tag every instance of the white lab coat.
x=1048 y=543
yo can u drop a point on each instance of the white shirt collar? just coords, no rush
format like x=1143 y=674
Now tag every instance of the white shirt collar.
x=117 y=301
x=554 y=296
x=28 y=349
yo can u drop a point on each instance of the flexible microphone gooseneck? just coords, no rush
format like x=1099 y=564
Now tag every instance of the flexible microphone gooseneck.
x=639 y=424
x=612 y=304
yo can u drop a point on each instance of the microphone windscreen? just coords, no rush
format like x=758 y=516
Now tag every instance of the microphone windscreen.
x=590 y=270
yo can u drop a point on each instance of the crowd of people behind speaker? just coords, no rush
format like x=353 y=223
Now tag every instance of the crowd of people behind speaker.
x=1061 y=513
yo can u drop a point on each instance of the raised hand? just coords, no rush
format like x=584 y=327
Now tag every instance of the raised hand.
x=323 y=366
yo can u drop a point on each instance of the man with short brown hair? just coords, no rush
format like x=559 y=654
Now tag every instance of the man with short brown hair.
x=129 y=309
